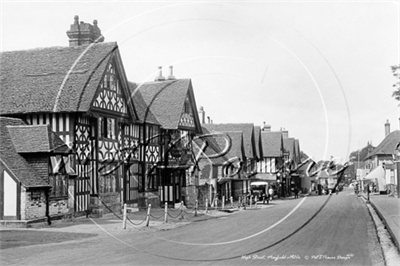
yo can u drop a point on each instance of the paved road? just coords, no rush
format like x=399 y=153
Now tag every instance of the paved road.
x=319 y=230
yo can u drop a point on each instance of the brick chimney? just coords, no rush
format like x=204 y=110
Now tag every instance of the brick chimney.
x=84 y=33
x=202 y=115
x=285 y=133
x=266 y=127
x=387 y=128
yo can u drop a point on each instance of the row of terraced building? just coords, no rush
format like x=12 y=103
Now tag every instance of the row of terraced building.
x=78 y=138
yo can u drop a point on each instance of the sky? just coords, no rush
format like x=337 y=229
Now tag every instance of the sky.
x=319 y=69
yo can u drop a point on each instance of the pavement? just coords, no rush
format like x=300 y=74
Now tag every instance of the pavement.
x=388 y=209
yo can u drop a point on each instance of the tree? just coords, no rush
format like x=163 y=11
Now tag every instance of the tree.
x=396 y=73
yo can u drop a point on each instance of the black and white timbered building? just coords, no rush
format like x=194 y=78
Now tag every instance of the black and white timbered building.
x=82 y=93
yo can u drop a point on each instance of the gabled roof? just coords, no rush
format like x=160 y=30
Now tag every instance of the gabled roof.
x=36 y=139
x=55 y=79
x=297 y=150
x=13 y=161
x=228 y=144
x=248 y=135
x=166 y=101
x=144 y=113
x=237 y=145
x=288 y=145
x=272 y=143
x=387 y=146
x=258 y=142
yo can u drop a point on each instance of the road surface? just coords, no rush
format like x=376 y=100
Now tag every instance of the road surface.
x=316 y=230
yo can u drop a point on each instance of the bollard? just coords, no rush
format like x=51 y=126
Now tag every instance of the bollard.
x=166 y=212
x=251 y=201
x=232 y=201
x=240 y=202
x=216 y=203
x=206 y=205
x=148 y=215
x=195 y=209
x=223 y=202
x=255 y=205
x=124 y=218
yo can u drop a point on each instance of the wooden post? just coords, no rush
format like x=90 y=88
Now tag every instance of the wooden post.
x=148 y=215
x=206 y=205
x=166 y=212
x=124 y=218
x=223 y=202
x=195 y=209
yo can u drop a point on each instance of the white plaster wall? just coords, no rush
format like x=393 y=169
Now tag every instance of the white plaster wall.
x=10 y=196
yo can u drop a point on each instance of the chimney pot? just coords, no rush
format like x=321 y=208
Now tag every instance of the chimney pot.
x=160 y=76
x=202 y=115
x=82 y=33
x=171 y=76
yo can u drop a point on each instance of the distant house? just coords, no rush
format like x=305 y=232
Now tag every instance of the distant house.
x=35 y=176
x=240 y=183
x=170 y=108
x=250 y=165
x=383 y=155
x=82 y=93
x=269 y=166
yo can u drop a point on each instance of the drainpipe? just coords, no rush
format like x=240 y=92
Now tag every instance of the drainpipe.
x=46 y=193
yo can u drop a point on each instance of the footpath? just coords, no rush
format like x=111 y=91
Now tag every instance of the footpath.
x=388 y=209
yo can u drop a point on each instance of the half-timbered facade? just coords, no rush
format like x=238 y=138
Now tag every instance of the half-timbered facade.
x=170 y=110
x=82 y=92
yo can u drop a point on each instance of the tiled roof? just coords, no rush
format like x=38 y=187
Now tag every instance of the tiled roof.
x=297 y=150
x=387 y=146
x=166 y=101
x=33 y=139
x=13 y=161
x=258 y=141
x=237 y=148
x=248 y=135
x=144 y=113
x=55 y=79
x=288 y=145
x=271 y=143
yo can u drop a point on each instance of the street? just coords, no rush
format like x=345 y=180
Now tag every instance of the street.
x=314 y=230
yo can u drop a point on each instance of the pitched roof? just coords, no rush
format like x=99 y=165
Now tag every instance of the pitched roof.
x=257 y=138
x=387 y=146
x=288 y=145
x=297 y=150
x=248 y=135
x=13 y=161
x=34 y=139
x=54 y=79
x=166 y=101
x=272 y=143
x=144 y=113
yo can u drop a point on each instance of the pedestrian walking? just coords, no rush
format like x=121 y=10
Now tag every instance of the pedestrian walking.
x=296 y=192
x=271 y=193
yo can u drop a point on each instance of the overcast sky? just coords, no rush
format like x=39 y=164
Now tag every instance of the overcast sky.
x=319 y=69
